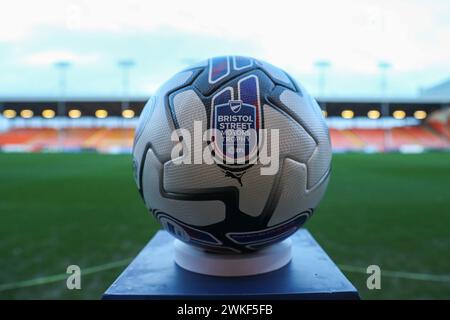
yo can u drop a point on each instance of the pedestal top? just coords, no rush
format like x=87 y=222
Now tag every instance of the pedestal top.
x=153 y=274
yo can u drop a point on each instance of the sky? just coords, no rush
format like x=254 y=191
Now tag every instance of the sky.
x=162 y=37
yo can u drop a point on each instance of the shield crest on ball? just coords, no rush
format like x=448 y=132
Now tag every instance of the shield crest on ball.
x=236 y=136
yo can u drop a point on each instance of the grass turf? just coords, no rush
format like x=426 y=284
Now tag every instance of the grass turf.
x=84 y=209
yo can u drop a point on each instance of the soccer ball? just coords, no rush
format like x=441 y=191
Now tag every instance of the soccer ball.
x=198 y=152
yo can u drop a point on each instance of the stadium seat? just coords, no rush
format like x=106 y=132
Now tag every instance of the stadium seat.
x=105 y=139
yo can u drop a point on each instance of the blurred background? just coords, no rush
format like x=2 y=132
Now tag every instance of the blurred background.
x=75 y=75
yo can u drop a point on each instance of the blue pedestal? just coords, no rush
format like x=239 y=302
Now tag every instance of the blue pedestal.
x=153 y=274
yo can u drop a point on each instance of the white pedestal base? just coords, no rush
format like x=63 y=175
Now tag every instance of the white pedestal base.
x=233 y=265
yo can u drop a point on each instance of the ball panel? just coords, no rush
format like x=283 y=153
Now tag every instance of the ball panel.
x=266 y=236
x=255 y=191
x=194 y=178
x=144 y=118
x=294 y=196
x=277 y=75
x=187 y=108
x=219 y=71
x=156 y=125
x=192 y=235
x=294 y=141
x=157 y=133
x=196 y=213
x=312 y=120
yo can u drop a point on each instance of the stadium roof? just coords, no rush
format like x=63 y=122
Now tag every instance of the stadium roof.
x=416 y=100
x=441 y=90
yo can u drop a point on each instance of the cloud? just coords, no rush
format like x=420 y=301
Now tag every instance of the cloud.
x=164 y=35
x=19 y=19
x=45 y=58
x=289 y=33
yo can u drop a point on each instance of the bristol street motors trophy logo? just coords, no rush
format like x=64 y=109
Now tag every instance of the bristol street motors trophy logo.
x=235 y=139
x=235 y=124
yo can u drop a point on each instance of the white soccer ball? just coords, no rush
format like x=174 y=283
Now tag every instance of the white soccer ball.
x=240 y=202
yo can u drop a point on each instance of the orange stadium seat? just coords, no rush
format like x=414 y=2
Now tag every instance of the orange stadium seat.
x=442 y=128
x=340 y=141
x=371 y=137
x=16 y=136
x=105 y=139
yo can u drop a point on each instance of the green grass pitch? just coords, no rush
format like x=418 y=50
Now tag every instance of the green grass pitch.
x=60 y=209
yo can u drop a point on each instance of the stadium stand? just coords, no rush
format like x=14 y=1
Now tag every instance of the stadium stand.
x=388 y=139
x=114 y=132
x=442 y=128
x=121 y=139
x=101 y=139
x=440 y=122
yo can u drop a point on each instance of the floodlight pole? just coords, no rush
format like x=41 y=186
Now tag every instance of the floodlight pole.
x=62 y=67
x=125 y=65
x=322 y=66
x=384 y=66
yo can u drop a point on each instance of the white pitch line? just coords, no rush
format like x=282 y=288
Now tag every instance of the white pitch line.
x=124 y=262
x=400 y=274
x=63 y=276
